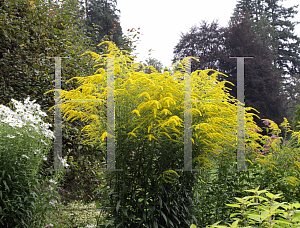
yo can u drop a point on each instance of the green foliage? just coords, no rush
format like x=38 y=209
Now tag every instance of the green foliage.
x=30 y=34
x=263 y=210
x=102 y=19
x=273 y=23
x=85 y=160
x=218 y=186
x=53 y=31
x=56 y=29
x=101 y=23
x=275 y=166
x=24 y=200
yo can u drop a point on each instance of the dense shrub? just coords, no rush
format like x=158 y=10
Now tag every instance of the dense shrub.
x=23 y=199
x=149 y=137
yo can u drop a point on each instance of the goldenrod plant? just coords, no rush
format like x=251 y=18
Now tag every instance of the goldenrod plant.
x=155 y=97
x=149 y=136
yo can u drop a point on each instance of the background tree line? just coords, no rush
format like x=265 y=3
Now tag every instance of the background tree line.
x=258 y=28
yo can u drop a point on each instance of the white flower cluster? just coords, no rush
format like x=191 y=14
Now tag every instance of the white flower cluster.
x=63 y=161
x=53 y=181
x=27 y=114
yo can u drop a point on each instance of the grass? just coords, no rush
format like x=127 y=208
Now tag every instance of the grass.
x=75 y=214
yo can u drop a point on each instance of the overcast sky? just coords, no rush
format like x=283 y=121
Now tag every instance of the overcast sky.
x=162 y=21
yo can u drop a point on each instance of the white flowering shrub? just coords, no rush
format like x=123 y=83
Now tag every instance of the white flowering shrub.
x=25 y=141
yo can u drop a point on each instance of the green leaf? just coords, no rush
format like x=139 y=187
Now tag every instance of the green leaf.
x=167 y=206
x=234 y=214
x=258 y=218
x=164 y=217
x=160 y=201
x=233 y=205
x=142 y=220
x=35 y=65
x=118 y=205
x=296 y=205
x=6 y=186
x=296 y=218
x=272 y=196
x=283 y=222
x=125 y=211
x=170 y=221
x=235 y=224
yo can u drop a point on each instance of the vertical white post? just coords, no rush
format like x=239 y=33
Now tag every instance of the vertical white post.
x=110 y=116
x=188 y=166
x=240 y=114
x=57 y=119
x=187 y=118
x=58 y=166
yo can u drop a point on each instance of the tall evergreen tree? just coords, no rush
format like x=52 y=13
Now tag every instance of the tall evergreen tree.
x=214 y=45
x=271 y=22
x=262 y=80
x=102 y=22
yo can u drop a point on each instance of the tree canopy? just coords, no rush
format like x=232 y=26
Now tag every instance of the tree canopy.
x=272 y=23
x=214 y=45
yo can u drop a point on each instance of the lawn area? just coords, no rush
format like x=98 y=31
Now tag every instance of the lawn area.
x=75 y=214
